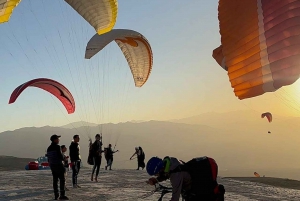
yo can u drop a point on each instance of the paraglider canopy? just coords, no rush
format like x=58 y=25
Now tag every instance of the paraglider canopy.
x=268 y=115
x=256 y=174
x=134 y=46
x=53 y=87
x=259 y=44
x=6 y=9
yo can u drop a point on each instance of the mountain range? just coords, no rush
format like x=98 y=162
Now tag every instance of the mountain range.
x=239 y=141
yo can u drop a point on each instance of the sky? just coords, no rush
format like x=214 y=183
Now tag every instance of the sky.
x=48 y=39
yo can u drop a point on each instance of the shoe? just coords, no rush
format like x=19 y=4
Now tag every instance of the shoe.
x=96 y=180
x=92 y=178
x=74 y=186
x=105 y=167
x=63 y=198
x=66 y=189
x=56 y=197
x=78 y=186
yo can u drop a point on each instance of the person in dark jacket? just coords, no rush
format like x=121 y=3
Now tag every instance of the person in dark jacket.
x=55 y=160
x=140 y=157
x=109 y=156
x=96 y=150
x=75 y=158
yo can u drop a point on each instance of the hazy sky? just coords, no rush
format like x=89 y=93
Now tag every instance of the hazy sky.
x=48 y=38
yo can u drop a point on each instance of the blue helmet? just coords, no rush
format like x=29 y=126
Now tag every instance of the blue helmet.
x=154 y=165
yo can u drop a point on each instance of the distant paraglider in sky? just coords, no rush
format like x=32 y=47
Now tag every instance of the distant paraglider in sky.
x=53 y=87
x=260 y=46
x=134 y=46
x=268 y=115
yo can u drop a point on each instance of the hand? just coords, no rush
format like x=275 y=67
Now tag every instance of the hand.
x=130 y=158
x=152 y=181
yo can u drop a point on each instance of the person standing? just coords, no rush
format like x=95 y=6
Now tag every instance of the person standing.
x=96 y=151
x=55 y=160
x=109 y=156
x=74 y=149
x=140 y=157
x=66 y=163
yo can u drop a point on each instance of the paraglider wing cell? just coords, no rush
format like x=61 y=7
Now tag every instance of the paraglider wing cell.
x=260 y=44
x=53 y=87
x=135 y=48
x=6 y=9
x=101 y=14
x=219 y=57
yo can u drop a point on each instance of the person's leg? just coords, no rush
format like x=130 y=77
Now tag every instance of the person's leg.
x=55 y=183
x=98 y=167
x=143 y=165
x=107 y=162
x=110 y=163
x=74 y=174
x=139 y=163
x=66 y=174
x=61 y=176
x=94 y=167
x=77 y=171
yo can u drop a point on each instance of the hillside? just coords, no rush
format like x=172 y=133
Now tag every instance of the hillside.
x=8 y=163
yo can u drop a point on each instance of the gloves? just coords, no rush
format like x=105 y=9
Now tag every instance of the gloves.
x=152 y=181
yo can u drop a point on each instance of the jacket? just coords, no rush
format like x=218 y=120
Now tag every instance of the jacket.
x=74 y=152
x=54 y=154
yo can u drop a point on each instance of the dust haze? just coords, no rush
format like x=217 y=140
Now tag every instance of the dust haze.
x=239 y=141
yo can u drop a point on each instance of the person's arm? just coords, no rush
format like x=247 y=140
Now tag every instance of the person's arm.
x=59 y=153
x=133 y=155
x=72 y=152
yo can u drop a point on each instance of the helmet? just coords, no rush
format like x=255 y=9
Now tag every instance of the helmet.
x=154 y=165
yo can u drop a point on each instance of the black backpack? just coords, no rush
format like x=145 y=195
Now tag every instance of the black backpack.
x=204 y=172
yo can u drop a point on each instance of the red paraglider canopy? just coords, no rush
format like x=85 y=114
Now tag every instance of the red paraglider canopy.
x=53 y=87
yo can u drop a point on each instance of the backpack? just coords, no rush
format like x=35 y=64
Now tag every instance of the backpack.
x=90 y=159
x=204 y=172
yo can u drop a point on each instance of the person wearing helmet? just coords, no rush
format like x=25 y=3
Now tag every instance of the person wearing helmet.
x=161 y=168
x=140 y=157
x=194 y=180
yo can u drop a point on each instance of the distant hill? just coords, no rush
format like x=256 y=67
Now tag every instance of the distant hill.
x=8 y=163
x=239 y=142
x=79 y=124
